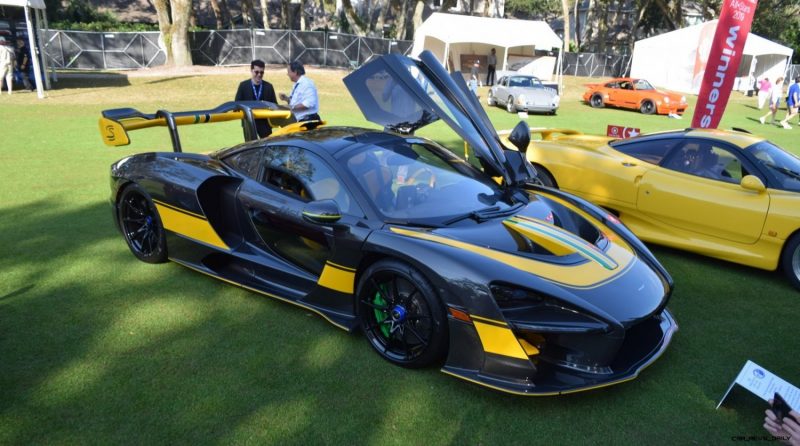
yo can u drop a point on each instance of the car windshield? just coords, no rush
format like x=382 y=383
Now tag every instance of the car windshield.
x=417 y=181
x=642 y=84
x=784 y=166
x=525 y=82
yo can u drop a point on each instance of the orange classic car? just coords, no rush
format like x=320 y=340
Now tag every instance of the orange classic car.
x=637 y=94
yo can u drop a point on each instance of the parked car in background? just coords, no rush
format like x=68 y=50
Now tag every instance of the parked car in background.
x=522 y=92
x=636 y=94
x=724 y=194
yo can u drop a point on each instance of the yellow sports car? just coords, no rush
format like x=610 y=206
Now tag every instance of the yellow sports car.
x=724 y=194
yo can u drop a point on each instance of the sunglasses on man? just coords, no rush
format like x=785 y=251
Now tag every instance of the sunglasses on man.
x=258 y=73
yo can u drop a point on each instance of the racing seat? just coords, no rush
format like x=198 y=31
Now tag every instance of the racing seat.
x=374 y=178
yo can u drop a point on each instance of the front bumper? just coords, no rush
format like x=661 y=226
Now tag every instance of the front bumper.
x=644 y=343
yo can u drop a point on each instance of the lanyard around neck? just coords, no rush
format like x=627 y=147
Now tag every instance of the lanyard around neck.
x=257 y=93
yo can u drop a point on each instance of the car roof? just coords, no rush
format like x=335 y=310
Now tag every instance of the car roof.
x=737 y=138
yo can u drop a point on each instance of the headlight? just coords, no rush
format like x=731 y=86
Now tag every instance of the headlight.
x=683 y=99
x=521 y=99
x=666 y=100
x=539 y=313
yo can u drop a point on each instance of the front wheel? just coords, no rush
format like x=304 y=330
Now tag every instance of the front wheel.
x=790 y=260
x=141 y=225
x=545 y=178
x=596 y=101
x=647 y=108
x=401 y=315
x=510 y=105
x=490 y=99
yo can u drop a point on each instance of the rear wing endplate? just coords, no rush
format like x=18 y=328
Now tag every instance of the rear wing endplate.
x=115 y=123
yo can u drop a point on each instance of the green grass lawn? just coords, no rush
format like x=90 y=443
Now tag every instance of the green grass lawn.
x=99 y=348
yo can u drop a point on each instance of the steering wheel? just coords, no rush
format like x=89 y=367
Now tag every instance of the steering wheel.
x=431 y=180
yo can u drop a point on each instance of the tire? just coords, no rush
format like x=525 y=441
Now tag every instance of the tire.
x=401 y=315
x=545 y=177
x=596 y=101
x=790 y=260
x=490 y=99
x=141 y=225
x=647 y=107
x=510 y=105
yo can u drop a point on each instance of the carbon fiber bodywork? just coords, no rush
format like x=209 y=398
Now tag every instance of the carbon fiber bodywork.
x=553 y=295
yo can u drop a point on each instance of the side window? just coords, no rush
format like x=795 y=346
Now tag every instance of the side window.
x=708 y=160
x=305 y=176
x=652 y=151
x=246 y=162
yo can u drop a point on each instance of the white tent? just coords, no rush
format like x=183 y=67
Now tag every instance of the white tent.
x=37 y=21
x=451 y=36
x=677 y=60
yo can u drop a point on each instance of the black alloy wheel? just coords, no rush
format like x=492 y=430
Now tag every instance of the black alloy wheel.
x=141 y=225
x=596 y=101
x=401 y=315
x=790 y=260
x=647 y=108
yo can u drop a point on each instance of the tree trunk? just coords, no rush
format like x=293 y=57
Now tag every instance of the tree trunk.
x=217 y=14
x=417 y=20
x=285 y=23
x=265 y=13
x=181 y=52
x=356 y=25
x=636 y=24
x=303 y=24
x=565 y=12
x=382 y=18
x=577 y=17
x=248 y=13
x=400 y=21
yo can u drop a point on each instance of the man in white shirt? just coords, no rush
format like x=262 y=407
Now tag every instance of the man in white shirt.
x=303 y=100
x=6 y=64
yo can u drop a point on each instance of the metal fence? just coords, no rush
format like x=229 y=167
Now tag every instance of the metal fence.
x=792 y=72
x=131 y=50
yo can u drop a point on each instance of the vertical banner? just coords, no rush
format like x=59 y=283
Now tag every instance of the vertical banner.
x=723 y=61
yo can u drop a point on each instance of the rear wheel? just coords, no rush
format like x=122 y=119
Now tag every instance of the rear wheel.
x=510 y=105
x=647 y=107
x=141 y=225
x=401 y=315
x=790 y=260
x=596 y=101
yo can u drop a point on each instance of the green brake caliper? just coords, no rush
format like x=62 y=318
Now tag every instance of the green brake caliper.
x=381 y=315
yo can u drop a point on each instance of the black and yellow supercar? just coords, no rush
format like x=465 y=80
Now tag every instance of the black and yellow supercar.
x=507 y=284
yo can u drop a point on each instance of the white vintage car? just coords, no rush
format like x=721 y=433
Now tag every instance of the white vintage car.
x=522 y=92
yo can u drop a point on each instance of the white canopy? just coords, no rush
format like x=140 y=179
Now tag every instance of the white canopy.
x=35 y=4
x=449 y=36
x=677 y=60
x=39 y=22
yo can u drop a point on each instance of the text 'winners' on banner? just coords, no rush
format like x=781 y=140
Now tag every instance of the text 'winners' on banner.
x=723 y=61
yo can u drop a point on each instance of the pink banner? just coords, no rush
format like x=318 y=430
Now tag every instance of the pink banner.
x=723 y=61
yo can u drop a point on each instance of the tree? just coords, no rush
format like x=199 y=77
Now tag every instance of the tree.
x=221 y=14
x=565 y=12
x=173 y=23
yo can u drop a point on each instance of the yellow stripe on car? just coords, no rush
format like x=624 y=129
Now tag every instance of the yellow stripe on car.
x=582 y=275
x=188 y=224
x=499 y=340
x=338 y=278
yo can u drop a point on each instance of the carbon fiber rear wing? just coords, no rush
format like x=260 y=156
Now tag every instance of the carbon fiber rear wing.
x=115 y=123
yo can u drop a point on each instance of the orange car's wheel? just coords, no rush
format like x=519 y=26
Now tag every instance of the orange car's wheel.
x=790 y=260
x=647 y=107
x=596 y=100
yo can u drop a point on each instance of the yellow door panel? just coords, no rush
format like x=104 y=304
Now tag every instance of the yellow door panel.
x=703 y=206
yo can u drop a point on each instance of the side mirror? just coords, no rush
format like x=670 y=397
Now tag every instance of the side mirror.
x=520 y=136
x=753 y=183
x=322 y=212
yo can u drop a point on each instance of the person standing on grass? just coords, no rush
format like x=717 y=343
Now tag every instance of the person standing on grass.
x=763 y=92
x=6 y=65
x=792 y=103
x=257 y=89
x=24 y=67
x=491 y=62
x=775 y=93
x=303 y=100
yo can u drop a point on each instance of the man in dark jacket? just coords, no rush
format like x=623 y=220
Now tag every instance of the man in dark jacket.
x=257 y=89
